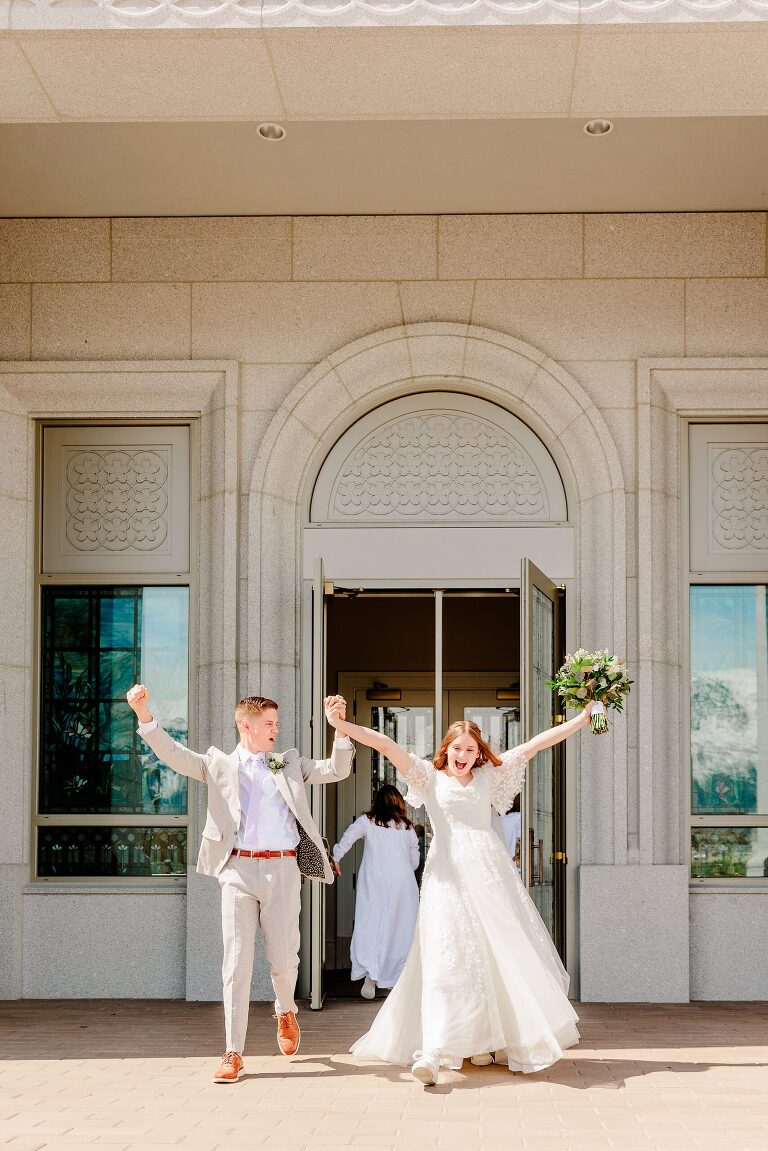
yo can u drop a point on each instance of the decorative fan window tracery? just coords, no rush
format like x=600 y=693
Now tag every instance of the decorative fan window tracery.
x=439 y=457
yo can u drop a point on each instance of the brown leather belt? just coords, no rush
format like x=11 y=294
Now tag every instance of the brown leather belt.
x=262 y=854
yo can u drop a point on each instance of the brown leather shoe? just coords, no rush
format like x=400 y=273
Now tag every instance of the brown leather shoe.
x=288 y=1032
x=229 y=1071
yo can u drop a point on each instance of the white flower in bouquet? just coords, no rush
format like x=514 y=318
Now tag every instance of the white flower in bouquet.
x=595 y=677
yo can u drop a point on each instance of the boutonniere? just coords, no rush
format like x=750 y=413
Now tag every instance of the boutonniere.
x=275 y=763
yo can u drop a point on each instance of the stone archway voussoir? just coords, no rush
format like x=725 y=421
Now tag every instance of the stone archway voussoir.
x=491 y=363
x=322 y=405
x=440 y=356
x=293 y=451
x=375 y=367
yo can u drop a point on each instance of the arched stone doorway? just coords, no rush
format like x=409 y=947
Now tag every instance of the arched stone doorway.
x=332 y=415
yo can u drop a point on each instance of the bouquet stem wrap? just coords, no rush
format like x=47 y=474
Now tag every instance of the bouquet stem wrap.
x=592 y=677
x=598 y=721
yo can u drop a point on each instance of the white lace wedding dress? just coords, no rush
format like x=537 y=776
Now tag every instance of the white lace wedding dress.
x=482 y=973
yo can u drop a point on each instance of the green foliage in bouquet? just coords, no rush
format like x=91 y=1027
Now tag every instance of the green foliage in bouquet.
x=588 y=677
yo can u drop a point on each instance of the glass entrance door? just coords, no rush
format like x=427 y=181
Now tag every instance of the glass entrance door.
x=409 y=720
x=496 y=650
x=314 y=904
x=543 y=854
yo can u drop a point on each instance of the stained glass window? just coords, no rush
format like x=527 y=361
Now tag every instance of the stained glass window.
x=64 y=852
x=720 y=852
x=97 y=642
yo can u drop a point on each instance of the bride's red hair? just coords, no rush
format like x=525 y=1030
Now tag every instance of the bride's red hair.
x=464 y=727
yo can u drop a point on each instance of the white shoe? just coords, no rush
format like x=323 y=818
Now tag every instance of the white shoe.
x=368 y=990
x=426 y=1068
x=484 y=1060
x=501 y=1058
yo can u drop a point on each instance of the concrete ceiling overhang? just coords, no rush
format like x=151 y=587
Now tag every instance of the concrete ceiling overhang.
x=380 y=167
x=446 y=117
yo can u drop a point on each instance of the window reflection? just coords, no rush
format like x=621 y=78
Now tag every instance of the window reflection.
x=98 y=641
x=729 y=700
x=729 y=852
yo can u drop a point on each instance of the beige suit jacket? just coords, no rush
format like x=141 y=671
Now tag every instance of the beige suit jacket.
x=221 y=773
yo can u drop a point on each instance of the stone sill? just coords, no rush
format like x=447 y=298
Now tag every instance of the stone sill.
x=754 y=887
x=89 y=888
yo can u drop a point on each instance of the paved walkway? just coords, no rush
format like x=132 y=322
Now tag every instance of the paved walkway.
x=135 y=1076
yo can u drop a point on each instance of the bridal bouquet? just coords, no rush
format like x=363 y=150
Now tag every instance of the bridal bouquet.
x=592 y=677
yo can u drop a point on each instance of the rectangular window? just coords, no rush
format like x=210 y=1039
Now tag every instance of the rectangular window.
x=500 y=726
x=74 y=852
x=729 y=852
x=729 y=730
x=107 y=806
x=412 y=727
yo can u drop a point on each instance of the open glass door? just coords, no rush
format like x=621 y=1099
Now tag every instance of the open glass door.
x=543 y=849
x=317 y=793
x=409 y=721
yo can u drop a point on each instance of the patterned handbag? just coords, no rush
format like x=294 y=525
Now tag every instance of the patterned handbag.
x=309 y=856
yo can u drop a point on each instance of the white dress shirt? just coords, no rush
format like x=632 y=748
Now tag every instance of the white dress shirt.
x=266 y=821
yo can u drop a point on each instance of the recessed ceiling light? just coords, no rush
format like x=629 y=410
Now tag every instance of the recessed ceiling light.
x=598 y=127
x=272 y=131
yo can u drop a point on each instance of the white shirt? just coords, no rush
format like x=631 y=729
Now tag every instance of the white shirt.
x=266 y=821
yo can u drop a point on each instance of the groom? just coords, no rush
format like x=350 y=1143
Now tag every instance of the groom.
x=259 y=839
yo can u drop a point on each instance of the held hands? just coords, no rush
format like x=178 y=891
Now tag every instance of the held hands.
x=335 y=710
x=335 y=867
x=138 y=698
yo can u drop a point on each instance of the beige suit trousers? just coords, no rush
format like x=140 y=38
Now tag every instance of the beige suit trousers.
x=266 y=893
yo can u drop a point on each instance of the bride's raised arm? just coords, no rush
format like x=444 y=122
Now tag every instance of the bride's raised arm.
x=554 y=735
x=397 y=755
x=508 y=778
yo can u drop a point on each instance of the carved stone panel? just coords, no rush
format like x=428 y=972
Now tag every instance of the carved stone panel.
x=729 y=497
x=116 y=500
x=436 y=458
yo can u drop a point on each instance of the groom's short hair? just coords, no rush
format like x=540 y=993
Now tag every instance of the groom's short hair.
x=253 y=705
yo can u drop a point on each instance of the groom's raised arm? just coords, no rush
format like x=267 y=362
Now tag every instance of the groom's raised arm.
x=339 y=765
x=174 y=754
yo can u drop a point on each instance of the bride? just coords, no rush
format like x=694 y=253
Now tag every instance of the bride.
x=482 y=975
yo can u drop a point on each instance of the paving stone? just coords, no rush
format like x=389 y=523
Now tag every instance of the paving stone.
x=135 y=1076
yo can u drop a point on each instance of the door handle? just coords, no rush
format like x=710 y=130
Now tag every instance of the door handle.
x=535 y=874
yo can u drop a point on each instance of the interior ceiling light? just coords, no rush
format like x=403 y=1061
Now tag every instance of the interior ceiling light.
x=271 y=131
x=598 y=127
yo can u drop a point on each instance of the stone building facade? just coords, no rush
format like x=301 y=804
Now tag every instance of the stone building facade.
x=239 y=364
